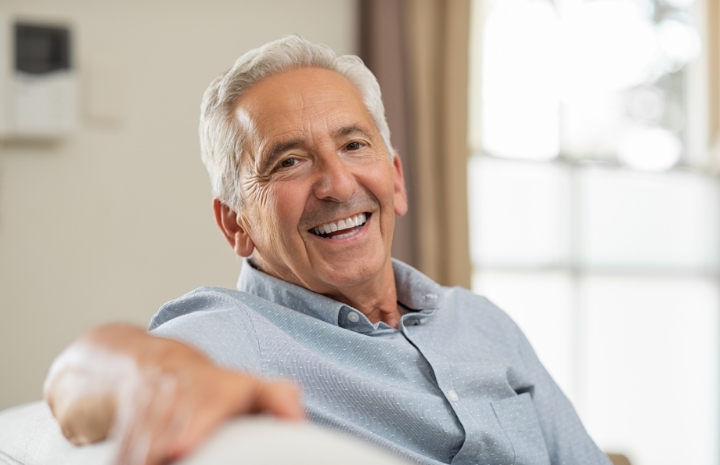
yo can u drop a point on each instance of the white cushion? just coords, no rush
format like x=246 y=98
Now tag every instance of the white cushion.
x=262 y=440
x=29 y=435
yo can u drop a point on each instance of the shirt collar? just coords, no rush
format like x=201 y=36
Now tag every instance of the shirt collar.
x=415 y=291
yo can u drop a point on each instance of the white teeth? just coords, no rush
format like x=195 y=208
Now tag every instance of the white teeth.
x=347 y=223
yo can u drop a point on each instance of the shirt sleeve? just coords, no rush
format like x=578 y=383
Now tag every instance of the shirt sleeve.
x=214 y=322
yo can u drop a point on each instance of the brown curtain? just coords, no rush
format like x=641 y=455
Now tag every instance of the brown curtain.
x=418 y=49
x=713 y=28
x=383 y=49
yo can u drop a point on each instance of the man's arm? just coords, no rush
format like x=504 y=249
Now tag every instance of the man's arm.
x=160 y=398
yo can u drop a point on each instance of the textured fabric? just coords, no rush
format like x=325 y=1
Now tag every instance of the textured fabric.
x=29 y=435
x=457 y=382
x=254 y=440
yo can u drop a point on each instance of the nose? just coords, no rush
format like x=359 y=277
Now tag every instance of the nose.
x=336 y=182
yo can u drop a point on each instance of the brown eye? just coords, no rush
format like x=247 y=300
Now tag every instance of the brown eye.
x=288 y=162
x=354 y=146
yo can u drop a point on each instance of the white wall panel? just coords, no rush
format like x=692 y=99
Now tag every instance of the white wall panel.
x=112 y=223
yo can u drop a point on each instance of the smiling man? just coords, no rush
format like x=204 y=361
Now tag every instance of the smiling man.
x=320 y=190
x=307 y=188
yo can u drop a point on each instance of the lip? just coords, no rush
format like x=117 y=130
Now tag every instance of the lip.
x=333 y=225
x=358 y=235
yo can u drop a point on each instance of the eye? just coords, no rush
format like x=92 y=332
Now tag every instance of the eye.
x=288 y=163
x=352 y=146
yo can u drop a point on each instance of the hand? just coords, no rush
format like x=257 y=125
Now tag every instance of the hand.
x=157 y=397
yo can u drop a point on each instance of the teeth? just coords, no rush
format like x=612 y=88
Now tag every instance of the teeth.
x=347 y=223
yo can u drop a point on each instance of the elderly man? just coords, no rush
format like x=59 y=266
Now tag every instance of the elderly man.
x=306 y=188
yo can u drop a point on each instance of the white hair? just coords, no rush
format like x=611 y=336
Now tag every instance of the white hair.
x=223 y=138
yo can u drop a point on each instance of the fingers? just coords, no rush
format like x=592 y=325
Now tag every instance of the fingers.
x=235 y=394
x=86 y=420
x=162 y=397
x=167 y=415
x=80 y=391
x=281 y=399
x=144 y=423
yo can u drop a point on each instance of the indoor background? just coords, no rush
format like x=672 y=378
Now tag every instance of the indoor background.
x=561 y=158
x=112 y=221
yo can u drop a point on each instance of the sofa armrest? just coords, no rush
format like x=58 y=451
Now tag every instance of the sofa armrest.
x=29 y=435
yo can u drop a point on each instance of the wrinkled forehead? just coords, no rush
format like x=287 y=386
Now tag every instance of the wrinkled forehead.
x=295 y=103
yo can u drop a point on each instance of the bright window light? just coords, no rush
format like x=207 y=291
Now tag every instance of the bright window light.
x=520 y=81
x=592 y=222
x=607 y=45
x=518 y=213
x=643 y=221
x=680 y=42
x=650 y=373
x=650 y=149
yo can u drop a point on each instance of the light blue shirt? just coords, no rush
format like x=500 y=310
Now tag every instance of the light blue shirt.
x=457 y=382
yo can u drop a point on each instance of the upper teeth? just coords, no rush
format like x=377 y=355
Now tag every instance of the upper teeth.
x=347 y=223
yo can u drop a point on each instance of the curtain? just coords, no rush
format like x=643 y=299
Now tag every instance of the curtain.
x=383 y=49
x=418 y=49
x=713 y=40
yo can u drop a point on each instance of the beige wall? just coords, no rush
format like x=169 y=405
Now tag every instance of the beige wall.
x=113 y=222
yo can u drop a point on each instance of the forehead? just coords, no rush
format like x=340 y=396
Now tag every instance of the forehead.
x=299 y=101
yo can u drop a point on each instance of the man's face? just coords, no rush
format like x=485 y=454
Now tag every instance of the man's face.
x=316 y=163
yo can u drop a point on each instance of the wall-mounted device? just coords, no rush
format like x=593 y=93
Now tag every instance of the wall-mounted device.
x=38 y=80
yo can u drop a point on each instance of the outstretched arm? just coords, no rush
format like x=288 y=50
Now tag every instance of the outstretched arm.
x=160 y=398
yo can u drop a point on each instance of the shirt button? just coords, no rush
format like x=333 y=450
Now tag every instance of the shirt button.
x=354 y=317
x=452 y=395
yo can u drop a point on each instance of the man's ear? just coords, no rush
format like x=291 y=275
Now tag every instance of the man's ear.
x=229 y=222
x=401 y=204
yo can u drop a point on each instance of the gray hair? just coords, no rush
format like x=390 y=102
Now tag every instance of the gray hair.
x=223 y=139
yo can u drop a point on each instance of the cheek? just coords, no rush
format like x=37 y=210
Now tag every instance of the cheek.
x=285 y=206
x=380 y=182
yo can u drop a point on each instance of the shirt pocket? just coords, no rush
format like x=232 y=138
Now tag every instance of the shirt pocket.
x=519 y=421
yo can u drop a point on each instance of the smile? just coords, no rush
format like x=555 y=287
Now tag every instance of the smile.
x=342 y=228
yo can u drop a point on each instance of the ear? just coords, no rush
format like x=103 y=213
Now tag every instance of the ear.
x=229 y=222
x=401 y=205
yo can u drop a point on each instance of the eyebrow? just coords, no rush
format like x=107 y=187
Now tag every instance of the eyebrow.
x=347 y=130
x=277 y=150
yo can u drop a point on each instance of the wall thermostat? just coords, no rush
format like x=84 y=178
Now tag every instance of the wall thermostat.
x=38 y=81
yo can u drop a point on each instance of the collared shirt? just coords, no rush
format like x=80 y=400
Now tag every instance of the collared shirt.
x=457 y=382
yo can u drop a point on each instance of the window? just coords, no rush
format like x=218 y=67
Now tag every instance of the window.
x=595 y=222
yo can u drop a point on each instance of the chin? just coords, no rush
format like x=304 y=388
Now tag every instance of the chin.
x=351 y=275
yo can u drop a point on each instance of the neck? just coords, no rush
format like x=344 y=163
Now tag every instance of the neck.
x=377 y=300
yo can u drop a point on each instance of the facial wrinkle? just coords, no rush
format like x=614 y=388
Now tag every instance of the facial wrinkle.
x=252 y=182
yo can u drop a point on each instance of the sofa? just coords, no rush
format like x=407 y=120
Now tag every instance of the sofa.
x=29 y=435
